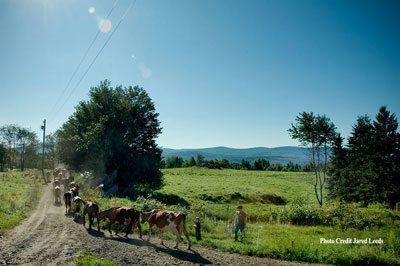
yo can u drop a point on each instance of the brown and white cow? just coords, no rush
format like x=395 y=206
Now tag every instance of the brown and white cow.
x=122 y=215
x=90 y=208
x=68 y=197
x=167 y=221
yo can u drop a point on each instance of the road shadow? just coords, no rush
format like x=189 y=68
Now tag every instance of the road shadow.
x=185 y=255
x=127 y=240
x=57 y=204
x=94 y=232
x=120 y=237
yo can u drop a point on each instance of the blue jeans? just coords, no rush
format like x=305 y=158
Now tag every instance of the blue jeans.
x=239 y=227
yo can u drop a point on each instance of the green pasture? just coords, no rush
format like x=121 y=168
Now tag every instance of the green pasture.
x=19 y=193
x=285 y=221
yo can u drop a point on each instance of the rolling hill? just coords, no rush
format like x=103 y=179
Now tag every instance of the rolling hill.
x=274 y=155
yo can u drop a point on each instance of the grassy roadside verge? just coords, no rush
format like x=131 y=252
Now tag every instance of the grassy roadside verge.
x=89 y=259
x=19 y=193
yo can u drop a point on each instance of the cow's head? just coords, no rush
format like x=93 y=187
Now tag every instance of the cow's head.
x=144 y=216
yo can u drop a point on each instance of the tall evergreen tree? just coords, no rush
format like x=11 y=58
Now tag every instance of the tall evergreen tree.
x=386 y=144
x=370 y=170
x=359 y=179
x=337 y=167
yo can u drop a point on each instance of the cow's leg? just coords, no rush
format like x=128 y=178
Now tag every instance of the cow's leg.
x=161 y=237
x=148 y=239
x=129 y=228
x=84 y=219
x=178 y=238
x=140 y=230
x=109 y=226
x=98 y=222
x=117 y=228
x=187 y=237
x=90 y=220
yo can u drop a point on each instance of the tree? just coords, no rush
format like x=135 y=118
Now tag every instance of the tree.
x=386 y=156
x=3 y=156
x=359 y=178
x=9 y=134
x=199 y=160
x=51 y=150
x=315 y=132
x=113 y=133
x=190 y=162
x=261 y=164
x=335 y=171
x=368 y=170
x=173 y=162
x=246 y=165
x=25 y=138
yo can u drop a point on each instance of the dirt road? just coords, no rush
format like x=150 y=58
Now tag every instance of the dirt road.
x=48 y=237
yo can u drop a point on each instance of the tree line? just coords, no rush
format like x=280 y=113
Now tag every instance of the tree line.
x=20 y=148
x=259 y=164
x=366 y=169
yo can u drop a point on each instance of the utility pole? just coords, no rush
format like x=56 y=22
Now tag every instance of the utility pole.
x=44 y=140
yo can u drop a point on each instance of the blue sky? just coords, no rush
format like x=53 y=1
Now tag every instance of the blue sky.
x=221 y=73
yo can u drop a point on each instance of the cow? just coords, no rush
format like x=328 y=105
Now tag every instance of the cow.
x=67 y=201
x=73 y=184
x=68 y=197
x=57 y=173
x=92 y=210
x=122 y=215
x=77 y=205
x=56 y=183
x=64 y=181
x=167 y=221
x=75 y=190
x=57 y=194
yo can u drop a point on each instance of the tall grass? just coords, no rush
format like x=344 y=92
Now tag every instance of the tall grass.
x=19 y=193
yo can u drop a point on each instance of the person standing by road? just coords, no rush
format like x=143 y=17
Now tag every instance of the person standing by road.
x=197 y=228
x=240 y=222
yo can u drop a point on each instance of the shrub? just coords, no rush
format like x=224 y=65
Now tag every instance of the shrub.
x=302 y=213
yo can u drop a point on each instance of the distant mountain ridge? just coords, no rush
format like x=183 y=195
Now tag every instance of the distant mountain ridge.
x=274 y=155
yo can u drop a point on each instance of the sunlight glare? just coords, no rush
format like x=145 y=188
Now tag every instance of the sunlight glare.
x=105 y=25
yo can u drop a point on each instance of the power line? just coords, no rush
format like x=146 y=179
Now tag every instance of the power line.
x=97 y=55
x=83 y=58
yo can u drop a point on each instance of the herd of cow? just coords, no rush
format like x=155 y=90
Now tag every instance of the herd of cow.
x=163 y=220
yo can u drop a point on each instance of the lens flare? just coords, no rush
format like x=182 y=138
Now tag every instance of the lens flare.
x=91 y=10
x=105 y=25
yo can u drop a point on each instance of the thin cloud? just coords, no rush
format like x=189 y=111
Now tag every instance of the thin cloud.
x=145 y=71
